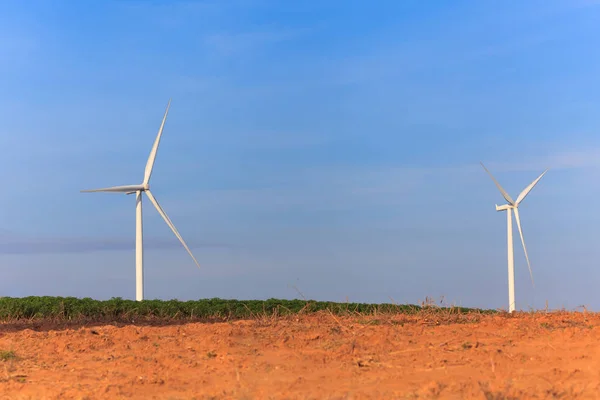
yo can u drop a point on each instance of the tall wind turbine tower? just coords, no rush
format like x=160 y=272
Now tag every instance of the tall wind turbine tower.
x=509 y=208
x=139 y=189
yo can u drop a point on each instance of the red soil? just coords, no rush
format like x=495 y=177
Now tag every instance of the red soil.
x=553 y=356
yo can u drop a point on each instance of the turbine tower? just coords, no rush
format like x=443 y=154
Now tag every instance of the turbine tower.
x=144 y=187
x=513 y=206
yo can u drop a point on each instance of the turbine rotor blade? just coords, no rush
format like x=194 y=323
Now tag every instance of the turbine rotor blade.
x=504 y=194
x=168 y=221
x=118 y=189
x=526 y=191
x=523 y=242
x=152 y=157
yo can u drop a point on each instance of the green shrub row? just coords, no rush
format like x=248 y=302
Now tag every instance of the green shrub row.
x=72 y=308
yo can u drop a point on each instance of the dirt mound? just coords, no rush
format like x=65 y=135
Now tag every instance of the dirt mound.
x=544 y=355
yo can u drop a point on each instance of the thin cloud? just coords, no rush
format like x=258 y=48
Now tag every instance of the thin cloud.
x=230 y=44
x=278 y=140
x=18 y=244
x=510 y=47
x=585 y=3
x=568 y=159
x=12 y=44
x=346 y=187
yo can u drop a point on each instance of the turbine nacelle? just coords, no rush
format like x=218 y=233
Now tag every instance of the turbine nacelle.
x=504 y=207
x=143 y=188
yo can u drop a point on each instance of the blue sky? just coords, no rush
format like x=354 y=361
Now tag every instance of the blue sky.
x=331 y=147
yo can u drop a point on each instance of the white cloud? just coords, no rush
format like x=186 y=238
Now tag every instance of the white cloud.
x=557 y=160
x=233 y=44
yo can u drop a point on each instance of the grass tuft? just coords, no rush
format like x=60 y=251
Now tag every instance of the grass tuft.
x=7 y=355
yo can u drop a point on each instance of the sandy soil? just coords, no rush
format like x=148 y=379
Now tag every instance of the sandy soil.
x=545 y=356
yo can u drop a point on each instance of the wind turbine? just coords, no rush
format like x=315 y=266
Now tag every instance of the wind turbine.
x=144 y=187
x=513 y=206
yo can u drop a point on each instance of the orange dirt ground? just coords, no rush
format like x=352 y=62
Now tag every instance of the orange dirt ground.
x=539 y=356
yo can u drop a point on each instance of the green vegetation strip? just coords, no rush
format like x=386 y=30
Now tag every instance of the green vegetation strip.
x=72 y=308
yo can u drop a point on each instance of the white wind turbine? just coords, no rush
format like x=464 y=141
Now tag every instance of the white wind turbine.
x=513 y=205
x=138 y=190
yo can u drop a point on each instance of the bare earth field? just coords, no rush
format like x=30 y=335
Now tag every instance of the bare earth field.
x=426 y=356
